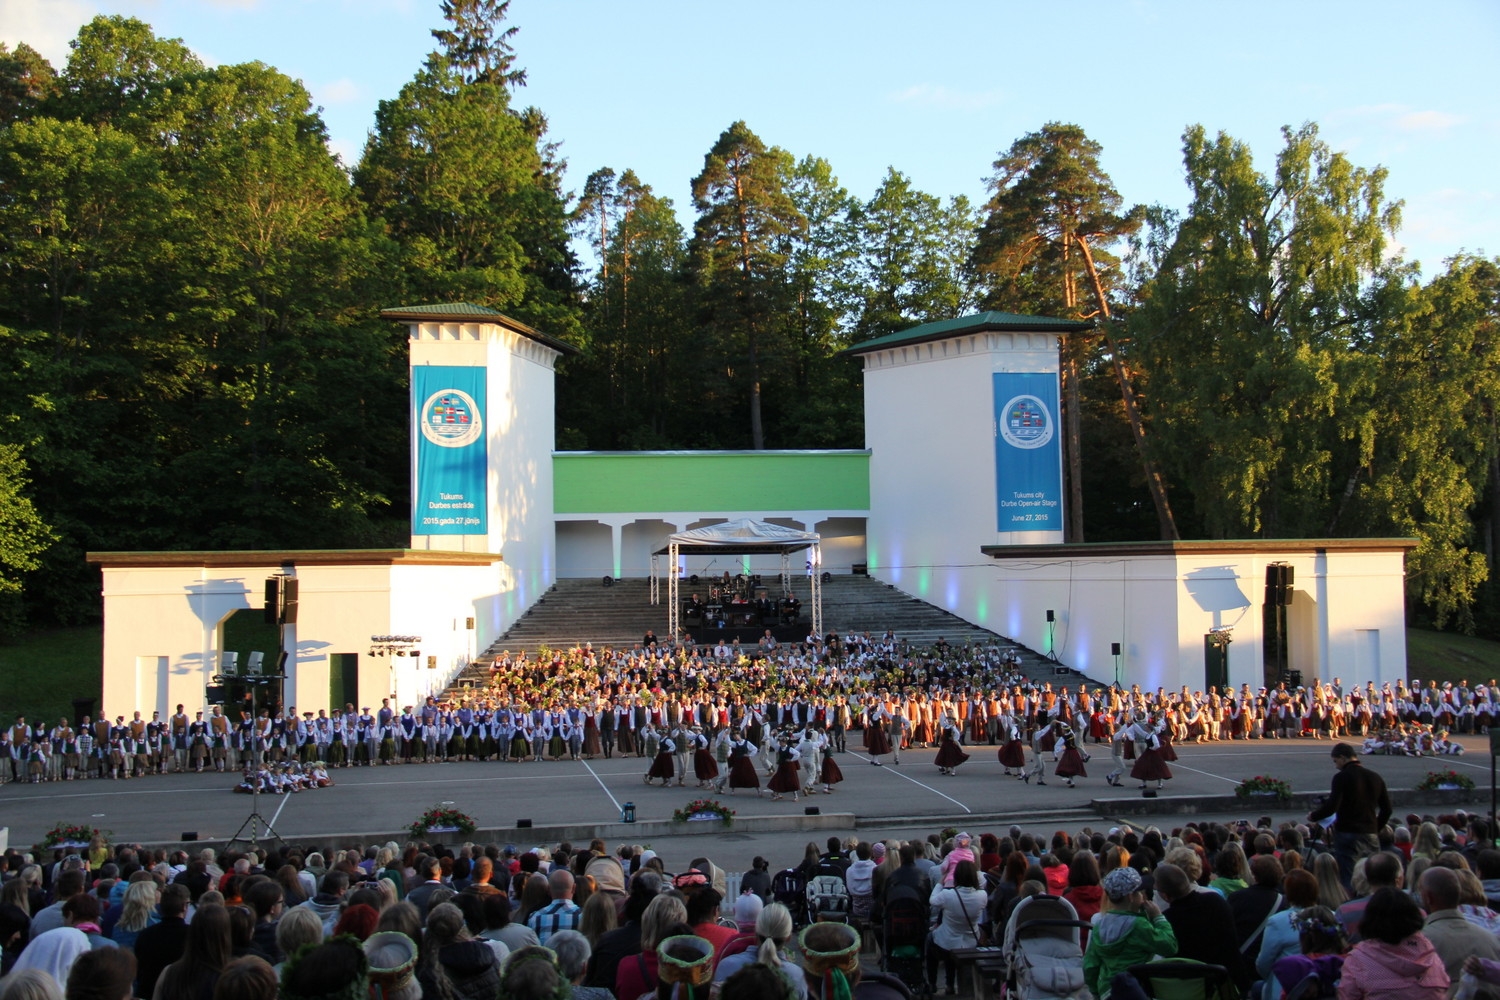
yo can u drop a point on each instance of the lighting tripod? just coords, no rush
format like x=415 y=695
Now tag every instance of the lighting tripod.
x=255 y=821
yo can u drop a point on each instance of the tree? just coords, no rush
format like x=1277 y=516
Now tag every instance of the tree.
x=1043 y=248
x=626 y=393
x=819 y=401
x=23 y=533
x=1423 y=455
x=118 y=63
x=1253 y=326
x=914 y=253
x=476 y=46
x=739 y=249
x=464 y=190
x=26 y=80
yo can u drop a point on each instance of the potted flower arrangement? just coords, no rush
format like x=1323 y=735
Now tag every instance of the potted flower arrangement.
x=1263 y=786
x=704 y=810
x=1446 y=781
x=442 y=819
x=69 y=835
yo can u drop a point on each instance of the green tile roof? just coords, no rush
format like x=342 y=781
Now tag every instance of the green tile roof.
x=976 y=323
x=466 y=312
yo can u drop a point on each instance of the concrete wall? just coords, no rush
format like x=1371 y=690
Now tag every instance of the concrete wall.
x=519 y=431
x=162 y=635
x=1346 y=619
x=929 y=425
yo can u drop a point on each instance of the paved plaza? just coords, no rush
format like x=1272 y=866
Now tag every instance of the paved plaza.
x=908 y=800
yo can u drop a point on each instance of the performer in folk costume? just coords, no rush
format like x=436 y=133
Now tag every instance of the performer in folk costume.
x=1151 y=766
x=788 y=774
x=680 y=755
x=829 y=772
x=741 y=765
x=1042 y=741
x=949 y=754
x=809 y=749
x=1070 y=764
x=705 y=768
x=1122 y=748
x=1164 y=733
x=664 y=765
x=1012 y=753
x=877 y=743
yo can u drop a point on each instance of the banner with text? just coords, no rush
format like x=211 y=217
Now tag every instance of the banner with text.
x=1028 y=452
x=452 y=460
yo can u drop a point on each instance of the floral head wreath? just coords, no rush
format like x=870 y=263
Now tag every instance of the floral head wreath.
x=1310 y=921
x=535 y=953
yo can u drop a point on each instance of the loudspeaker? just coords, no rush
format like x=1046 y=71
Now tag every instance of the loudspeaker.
x=281 y=662
x=468 y=623
x=254 y=662
x=811 y=811
x=289 y=600
x=1148 y=793
x=1051 y=615
x=431 y=662
x=273 y=599
x=228 y=662
x=609 y=581
x=523 y=824
x=189 y=835
x=1114 y=649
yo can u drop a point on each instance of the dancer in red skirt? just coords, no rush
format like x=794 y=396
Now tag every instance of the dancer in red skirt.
x=788 y=776
x=742 y=765
x=663 y=765
x=831 y=774
x=1165 y=732
x=1150 y=766
x=1012 y=753
x=705 y=768
x=949 y=755
x=877 y=744
x=1070 y=766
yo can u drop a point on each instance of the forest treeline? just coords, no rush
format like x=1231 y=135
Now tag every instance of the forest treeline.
x=193 y=355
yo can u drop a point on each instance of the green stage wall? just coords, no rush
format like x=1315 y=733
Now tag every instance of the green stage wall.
x=596 y=482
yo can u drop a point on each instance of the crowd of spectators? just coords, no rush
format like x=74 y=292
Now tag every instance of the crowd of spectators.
x=1265 y=901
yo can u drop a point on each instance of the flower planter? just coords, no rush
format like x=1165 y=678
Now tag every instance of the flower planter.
x=704 y=817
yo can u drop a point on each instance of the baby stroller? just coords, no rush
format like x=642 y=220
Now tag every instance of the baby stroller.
x=789 y=888
x=1042 y=952
x=828 y=899
x=903 y=939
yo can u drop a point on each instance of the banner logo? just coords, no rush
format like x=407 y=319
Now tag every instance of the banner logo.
x=1026 y=423
x=450 y=419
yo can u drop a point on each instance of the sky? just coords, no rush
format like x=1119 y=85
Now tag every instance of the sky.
x=936 y=91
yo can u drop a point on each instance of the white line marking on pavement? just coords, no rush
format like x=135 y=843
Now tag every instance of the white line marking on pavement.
x=1178 y=763
x=277 y=814
x=914 y=781
x=589 y=768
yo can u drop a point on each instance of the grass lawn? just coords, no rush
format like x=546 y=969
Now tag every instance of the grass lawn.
x=42 y=673
x=1448 y=656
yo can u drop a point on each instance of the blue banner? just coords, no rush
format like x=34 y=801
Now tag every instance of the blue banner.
x=1028 y=452
x=452 y=460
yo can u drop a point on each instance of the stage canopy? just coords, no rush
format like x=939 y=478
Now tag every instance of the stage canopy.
x=737 y=538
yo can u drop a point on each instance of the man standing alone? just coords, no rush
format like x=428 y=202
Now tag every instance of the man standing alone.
x=1360 y=805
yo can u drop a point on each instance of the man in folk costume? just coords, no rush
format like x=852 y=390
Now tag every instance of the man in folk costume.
x=65 y=750
x=465 y=731
x=429 y=729
x=809 y=759
x=156 y=742
x=539 y=732
x=408 y=734
x=1043 y=741
x=574 y=736
x=611 y=718
x=366 y=738
x=640 y=718
x=177 y=727
x=85 y=749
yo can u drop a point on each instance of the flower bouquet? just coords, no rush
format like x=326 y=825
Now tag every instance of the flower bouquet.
x=441 y=819
x=1263 y=786
x=703 y=810
x=69 y=835
x=1445 y=781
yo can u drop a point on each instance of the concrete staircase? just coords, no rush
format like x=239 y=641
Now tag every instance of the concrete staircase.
x=576 y=611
